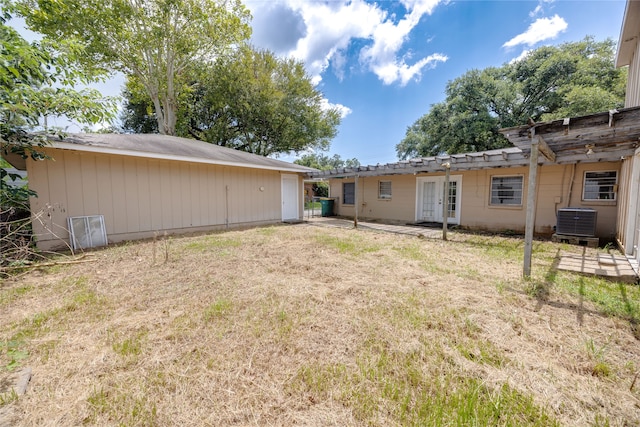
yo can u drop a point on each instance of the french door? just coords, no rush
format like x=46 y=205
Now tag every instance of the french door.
x=430 y=199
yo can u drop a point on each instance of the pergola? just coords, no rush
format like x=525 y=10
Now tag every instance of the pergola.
x=606 y=136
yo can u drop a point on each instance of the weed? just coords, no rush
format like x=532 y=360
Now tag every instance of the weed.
x=481 y=351
x=10 y=295
x=99 y=400
x=597 y=354
x=538 y=289
x=398 y=385
x=614 y=298
x=285 y=324
x=130 y=346
x=8 y=397
x=267 y=231
x=121 y=406
x=412 y=252
x=217 y=310
x=216 y=242
x=351 y=245
x=13 y=354
x=601 y=421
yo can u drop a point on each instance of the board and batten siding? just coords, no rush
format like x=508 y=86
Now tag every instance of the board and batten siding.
x=142 y=197
x=559 y=186
x=632 y=97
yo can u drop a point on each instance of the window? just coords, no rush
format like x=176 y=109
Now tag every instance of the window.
x=87 y=231
x=349 y=193
x=600 y=185
x=384 y=190
x=453 y=190
x=506 y=190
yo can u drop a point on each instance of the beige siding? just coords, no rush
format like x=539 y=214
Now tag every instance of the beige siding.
x=141 y=197
x=558 y=186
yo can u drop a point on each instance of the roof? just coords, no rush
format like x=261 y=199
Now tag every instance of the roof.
x=504 y=157
x=155 y=146
x=604 y=136
x=628 y=33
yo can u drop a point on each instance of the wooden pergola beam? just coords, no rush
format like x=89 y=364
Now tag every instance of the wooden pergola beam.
x=531 y=207
x=545 y=150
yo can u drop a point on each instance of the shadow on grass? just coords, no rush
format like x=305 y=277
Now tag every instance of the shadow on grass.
x=541 y=291
x=632 y=311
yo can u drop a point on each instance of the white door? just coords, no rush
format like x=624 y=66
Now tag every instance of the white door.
x=290 y=197
x=430 y=198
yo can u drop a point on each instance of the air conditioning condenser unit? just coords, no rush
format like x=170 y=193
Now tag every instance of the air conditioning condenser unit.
x=577 y=222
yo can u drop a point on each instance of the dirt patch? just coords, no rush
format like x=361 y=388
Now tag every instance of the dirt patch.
x=298 y=325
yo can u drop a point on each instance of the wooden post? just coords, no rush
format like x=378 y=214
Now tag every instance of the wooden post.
x=445 y=202
x=531 y=206
x=355 y=201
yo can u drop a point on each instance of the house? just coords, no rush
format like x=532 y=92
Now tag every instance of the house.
x=590 y=162
x=117 y=187
x=628 y=54
x=488 y=190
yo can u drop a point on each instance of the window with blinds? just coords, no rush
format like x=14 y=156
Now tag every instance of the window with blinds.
x=348 y=193
x=600 y=185
x=384 y=190
x=506 y=190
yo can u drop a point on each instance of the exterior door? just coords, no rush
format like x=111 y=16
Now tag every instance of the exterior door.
x=290 y=203
x=430 y=198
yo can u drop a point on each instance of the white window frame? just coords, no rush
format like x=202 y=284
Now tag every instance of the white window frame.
x=491 y=191
x=384 y=193
x=612 y=192
x=87 y=232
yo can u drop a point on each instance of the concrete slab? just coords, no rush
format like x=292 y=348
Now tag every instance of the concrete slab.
x=612 y=266
x=389 y=228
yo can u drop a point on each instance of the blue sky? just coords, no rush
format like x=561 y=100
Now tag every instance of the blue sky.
x=385 y=63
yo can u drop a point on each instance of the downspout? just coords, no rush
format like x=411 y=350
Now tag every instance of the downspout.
x=573 y=174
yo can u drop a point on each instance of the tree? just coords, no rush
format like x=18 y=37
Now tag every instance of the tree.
x=551 y=82
x=27 y=98
x=250 y=101
x=137 y=113
x=155 y=41
x=324 y=162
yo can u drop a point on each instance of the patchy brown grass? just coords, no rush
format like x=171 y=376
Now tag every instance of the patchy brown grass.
x=300 y=325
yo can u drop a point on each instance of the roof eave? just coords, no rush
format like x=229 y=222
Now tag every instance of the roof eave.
x=629 y=33
x=159 y=156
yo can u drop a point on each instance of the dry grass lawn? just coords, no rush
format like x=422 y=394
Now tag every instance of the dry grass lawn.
x=302 y=325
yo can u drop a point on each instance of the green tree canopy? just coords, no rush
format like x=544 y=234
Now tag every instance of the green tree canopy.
x=551 y=82
x=324 y=162
x=28 y=73
x=251 y=101
x=154 y=41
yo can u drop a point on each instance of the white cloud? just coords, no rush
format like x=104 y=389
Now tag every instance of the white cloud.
x=535 y=11
x=541 y=29
x=520 y=57
x=539 y=10
x=390 y=72
x=343 y=110
x=321 y=34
